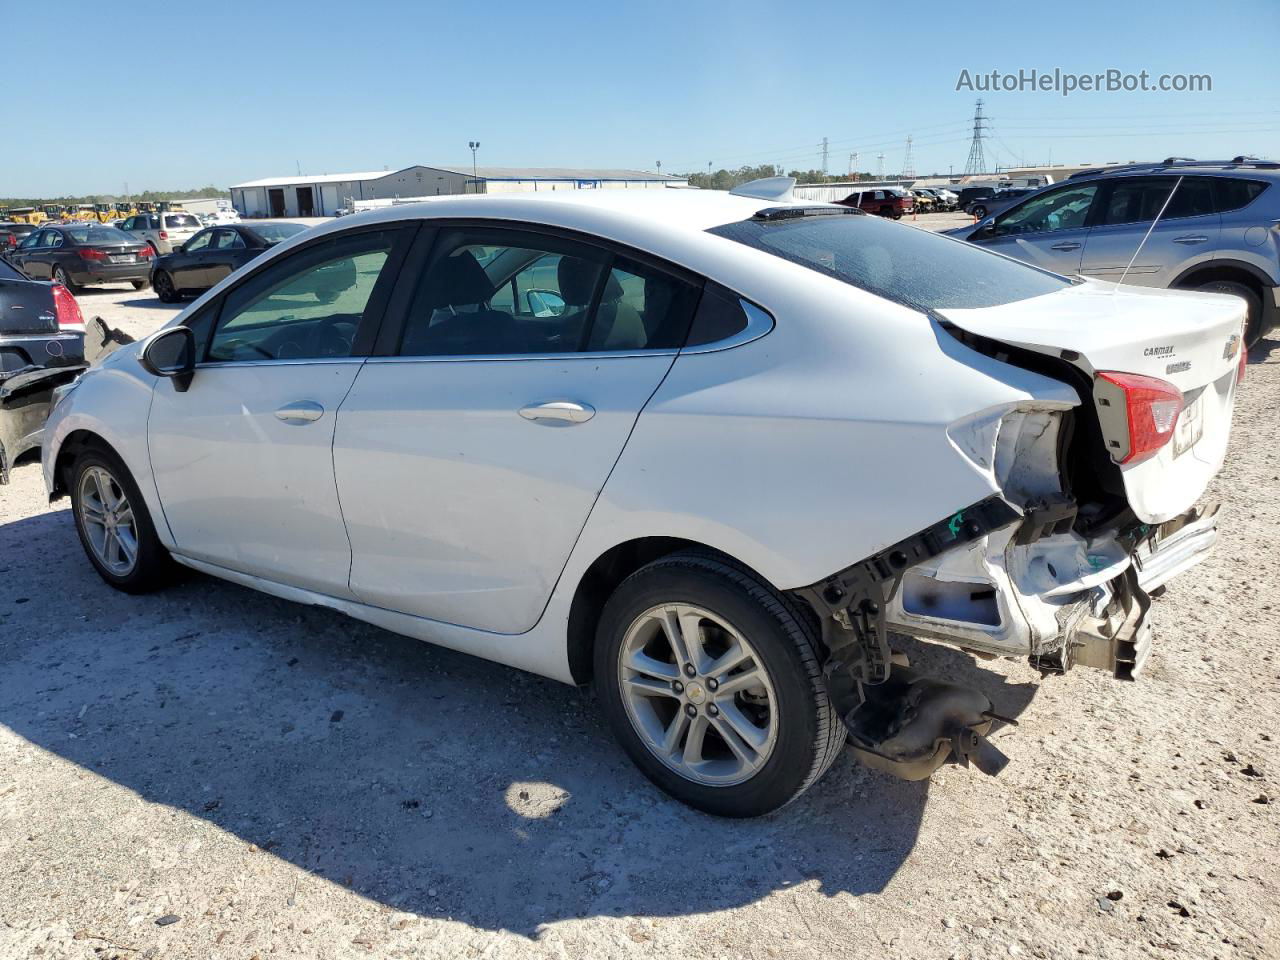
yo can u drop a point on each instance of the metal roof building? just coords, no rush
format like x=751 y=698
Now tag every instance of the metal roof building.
x=324 y=195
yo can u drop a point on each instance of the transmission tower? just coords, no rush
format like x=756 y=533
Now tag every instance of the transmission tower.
x=853 y=164
x=908 y=165
x=879 y=166
x=826 y=150
x=977 y=163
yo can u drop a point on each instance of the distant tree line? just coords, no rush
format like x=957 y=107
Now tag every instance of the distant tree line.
x=728 y=179
x=151 y=195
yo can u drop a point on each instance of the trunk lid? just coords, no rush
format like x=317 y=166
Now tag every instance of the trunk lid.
x=26 y=307
x=1191 y=340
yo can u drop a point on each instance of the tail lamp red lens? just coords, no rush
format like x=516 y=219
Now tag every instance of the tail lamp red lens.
x=65 y=307
x=1151 y=412
x=146 y=253
x=89 y=253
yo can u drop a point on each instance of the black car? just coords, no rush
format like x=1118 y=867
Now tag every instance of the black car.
x=212 y=254
x=998 y=201
x=12 y=234
x=79 y=254
x=41 y=347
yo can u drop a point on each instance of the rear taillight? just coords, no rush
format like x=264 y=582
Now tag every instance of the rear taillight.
x=89 y=253
x=1244 y=351
x=164 y=235
x=66 y=308
x=1151 y=408
x=146 y=253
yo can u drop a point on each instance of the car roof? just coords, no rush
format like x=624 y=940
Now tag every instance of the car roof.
x=1265 y=169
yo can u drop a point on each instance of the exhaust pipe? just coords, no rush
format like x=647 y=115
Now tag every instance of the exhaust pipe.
x=910 y=725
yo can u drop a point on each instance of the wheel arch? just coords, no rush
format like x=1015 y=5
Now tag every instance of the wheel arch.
x=70 y=448
x=604 y=575
x=1237 y=270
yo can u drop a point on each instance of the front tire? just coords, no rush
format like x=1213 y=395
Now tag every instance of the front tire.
x=114 y=525
x=139 y=284
x=712 y=684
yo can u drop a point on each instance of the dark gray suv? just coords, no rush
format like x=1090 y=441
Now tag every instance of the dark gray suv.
x=1219 y=232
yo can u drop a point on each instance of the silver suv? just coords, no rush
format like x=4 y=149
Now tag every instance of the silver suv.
x=1220 y=231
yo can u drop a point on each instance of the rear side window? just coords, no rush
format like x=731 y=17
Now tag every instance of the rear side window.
x=181 y=221
x=720 y=315
x=1140 y=199
x=912 y=267
x=1232 y=194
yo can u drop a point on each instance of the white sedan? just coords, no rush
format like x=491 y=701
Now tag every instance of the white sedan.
x=704 y=450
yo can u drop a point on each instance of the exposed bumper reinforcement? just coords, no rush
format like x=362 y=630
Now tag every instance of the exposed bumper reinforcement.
x=1176 y=546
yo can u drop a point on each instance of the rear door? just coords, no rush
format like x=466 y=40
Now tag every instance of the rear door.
x=470 y=455
x=1048 y=230
x=1186 y=234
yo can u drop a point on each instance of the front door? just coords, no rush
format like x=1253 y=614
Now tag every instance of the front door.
x=1048 y=230
x=1188 y=230
x=469 y=461
x=242 y=460
x=189 y=268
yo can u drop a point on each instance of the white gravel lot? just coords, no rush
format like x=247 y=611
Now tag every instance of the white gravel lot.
x=213 y=773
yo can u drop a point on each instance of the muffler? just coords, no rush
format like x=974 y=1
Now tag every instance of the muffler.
x=910 y=725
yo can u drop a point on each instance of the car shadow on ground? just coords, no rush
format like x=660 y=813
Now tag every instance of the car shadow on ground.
x=425 y=779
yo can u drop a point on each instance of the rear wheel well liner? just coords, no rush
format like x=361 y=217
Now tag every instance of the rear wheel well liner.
x=604 y=575
x=1204 y=273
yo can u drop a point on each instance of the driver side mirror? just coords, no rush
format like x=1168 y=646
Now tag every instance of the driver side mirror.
x=172 y=354
x=545 y=303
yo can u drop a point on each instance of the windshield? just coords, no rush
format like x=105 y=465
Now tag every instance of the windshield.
x=103 y=234
x=275 y=232
x=177 y=221
x=904 y=264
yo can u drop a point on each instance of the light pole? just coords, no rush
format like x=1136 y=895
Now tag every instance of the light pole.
x=475 y=176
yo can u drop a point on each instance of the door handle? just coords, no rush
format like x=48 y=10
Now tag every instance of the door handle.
x=1065 y=245
x=1196 y=238
x=565 y=411
x=303 y=411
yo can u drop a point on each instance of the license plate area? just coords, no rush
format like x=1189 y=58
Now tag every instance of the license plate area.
x=123 y=258
x=1190 y=427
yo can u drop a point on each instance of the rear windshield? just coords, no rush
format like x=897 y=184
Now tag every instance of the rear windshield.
x=103 y=234
x=177 y=221
x=904 y=264
x=275 y=232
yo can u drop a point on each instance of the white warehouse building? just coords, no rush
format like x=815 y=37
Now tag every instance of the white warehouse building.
x=326 y=194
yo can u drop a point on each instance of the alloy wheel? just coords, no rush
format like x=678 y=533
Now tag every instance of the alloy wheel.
x=108 y=521
x=698 y=694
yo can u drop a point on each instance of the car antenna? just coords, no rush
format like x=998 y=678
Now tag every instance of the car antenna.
x=1143 y=242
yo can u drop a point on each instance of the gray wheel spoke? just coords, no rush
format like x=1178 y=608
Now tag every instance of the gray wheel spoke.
x=674 y=631
x=742 y=750
x=644 y=664
x=731 y=659
x=693 y=742
x=649 y=687
x=753 y=736
x=674 y=733
x=745 y=680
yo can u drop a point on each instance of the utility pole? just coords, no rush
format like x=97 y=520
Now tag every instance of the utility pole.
x=475 y=175
x=977 y=163
x=908 y=165
x=826 y=150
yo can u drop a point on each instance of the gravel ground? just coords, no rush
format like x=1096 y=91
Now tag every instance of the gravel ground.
x=214 y=773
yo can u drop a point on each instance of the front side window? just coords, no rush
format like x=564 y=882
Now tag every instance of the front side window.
x=1065 y=209
x=227 y=240
x=494 y=293
x=198 y=242
x=915 y=268
x=308 y=305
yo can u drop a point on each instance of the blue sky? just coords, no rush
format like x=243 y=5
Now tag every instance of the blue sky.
x=197 y=93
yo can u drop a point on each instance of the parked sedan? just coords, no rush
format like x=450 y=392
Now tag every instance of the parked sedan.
x=12 y=234
x=77 y=255
x=212 y=254
x=1000 y=200
x=705 y=450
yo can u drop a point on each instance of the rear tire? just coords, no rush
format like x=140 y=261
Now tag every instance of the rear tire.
x=114 y=525
x=1253 y=323
x=139 y=284
x=61 y=276
x=775 y=692
x=980 y=212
